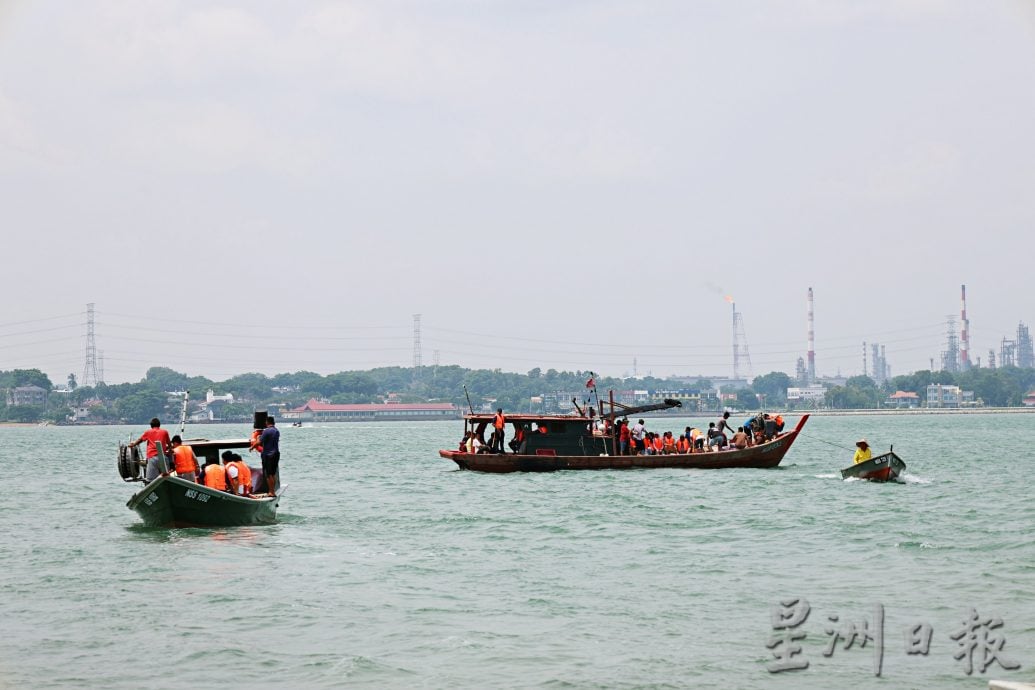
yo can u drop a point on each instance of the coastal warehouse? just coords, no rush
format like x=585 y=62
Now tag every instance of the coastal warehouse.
x=316 y=411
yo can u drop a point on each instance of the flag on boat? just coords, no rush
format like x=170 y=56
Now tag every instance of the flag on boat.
x=590 y=383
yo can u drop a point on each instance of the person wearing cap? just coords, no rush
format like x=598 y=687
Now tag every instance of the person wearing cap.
x=862 y=452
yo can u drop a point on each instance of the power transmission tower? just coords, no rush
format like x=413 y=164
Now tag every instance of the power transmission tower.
x=90 y=377
x=741 y=357
x=416 y=348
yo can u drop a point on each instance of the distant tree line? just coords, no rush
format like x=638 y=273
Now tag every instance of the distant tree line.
x=138 y=402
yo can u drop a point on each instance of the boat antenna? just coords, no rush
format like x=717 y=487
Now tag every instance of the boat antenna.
x=183 y=412
x=469 y=405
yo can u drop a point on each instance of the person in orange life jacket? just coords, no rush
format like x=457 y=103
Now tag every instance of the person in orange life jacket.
x=683 y=444
x=659 y=444
x=669 y=443
x=517 y=444
x=154 y=436
x=255 y=445
x=779 y=423
x=214 y=474
x=498 y=424
x=184 y=461
x=239 y=476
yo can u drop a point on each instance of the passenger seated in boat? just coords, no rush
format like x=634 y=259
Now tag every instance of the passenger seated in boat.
x=214 y=474
x=658 y=443
x=668 y=444
x=683 y=444
x=740 y=439
x=862 y=453
x=779 y=424
x=184 y=461
x=474 y=444
x=518 y=443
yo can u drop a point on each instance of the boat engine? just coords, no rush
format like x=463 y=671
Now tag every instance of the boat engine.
x=129 y=463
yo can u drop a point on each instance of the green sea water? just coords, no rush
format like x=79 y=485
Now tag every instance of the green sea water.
x=389 y=568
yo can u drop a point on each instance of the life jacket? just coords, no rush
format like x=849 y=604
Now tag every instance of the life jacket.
x=682 y=445
x=658 y=443
x=669 y=442
x=244 y=477
x=183 y=460
x=215 y=477
x=779 y=420
x=256 y=433
x=499 y=421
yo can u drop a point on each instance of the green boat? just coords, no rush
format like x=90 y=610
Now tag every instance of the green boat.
x=170 y=501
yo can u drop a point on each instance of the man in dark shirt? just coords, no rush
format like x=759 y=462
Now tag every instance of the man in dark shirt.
x=270 y=442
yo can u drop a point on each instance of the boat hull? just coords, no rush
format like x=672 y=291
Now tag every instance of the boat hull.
x=882 y=468
x=175 y=502
x=764 y=455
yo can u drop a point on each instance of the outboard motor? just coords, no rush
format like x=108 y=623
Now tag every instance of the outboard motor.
x=129 y=463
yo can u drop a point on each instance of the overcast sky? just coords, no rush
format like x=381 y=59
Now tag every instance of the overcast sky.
x=271 y=186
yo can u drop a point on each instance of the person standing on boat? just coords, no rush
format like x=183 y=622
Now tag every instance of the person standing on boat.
x=724 y=424
x=637 y=432
x=155 y=435
x=862 y=452
x=623 y=437
x=498 y=424
x=184 y=461
x=270 y=442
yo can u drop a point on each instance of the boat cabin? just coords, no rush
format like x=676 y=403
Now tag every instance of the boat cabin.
x=546 y=434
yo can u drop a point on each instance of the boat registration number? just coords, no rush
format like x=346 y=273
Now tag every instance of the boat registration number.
x=151 y=499
x=191 y=493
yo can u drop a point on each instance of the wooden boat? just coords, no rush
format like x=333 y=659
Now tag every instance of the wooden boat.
x=570 y=443
x=175 y=502
x=880 y=468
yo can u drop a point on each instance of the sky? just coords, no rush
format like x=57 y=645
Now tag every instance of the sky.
x=569 y=184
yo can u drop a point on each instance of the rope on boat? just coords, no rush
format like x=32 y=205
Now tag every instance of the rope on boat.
x=829 y=443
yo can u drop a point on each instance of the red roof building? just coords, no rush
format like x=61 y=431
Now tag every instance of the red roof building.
x=904 y=399
x=316 y=411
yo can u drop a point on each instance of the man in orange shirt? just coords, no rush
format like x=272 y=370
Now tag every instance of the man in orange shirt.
x=155 y=435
